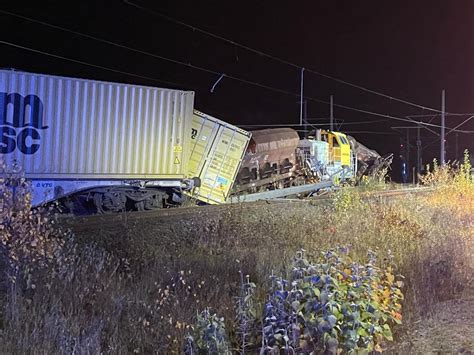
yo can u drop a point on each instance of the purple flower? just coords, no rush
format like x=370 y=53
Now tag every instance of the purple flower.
x=315 y=279
x=281 y=294
x=343 y=250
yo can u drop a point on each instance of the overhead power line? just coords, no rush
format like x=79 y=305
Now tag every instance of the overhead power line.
x=277 y=59
x=284 y=125
x=119 y=45
x=446 y=114
x=371 y=132
x=90 y=64
x=210 y=71
x=459 y=125
x=363 y=122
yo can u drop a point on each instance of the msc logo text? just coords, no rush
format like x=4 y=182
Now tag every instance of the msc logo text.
x=21 y=119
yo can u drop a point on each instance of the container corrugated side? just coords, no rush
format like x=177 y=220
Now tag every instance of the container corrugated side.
x=58 y=127
x=217 y=150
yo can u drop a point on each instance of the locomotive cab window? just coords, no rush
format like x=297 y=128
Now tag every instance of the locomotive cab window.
x=335 y=143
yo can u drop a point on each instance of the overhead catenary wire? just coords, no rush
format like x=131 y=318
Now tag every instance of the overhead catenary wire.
x=459 y=125
x=425 y=127
x=282 y=125
x=371 y=132
x=452 y=130
x=119 y=45
x=111 y=70
x=446 y=114
x=363 y=122
x=277 y=59
x=340 y=120
x=455 y=129
x=309 y=121
x=97 y=66
x=220 y=74
x=208 y=71
x=299 y=130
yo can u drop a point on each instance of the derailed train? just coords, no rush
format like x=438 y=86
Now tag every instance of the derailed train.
x=112 y=147
x=278 y=158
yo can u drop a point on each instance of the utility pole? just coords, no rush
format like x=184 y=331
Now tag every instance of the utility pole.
x=408 y=152
x=301 y=101
x=418 y=151
x=443 y=133
x=305 y=118
x=331 y=114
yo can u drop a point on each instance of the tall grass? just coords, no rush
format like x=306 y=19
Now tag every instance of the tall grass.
x=138 y=287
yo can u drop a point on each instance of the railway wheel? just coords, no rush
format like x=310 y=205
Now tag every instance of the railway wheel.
x=155 y=201
x=285 y=166
x=143 y=199
x=111 y=201
x=267 y=171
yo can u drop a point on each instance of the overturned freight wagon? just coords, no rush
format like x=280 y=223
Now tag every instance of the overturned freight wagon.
x=217 y=151
x=113 y=144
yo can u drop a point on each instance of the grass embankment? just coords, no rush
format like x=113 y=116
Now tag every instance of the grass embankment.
x=138 y=288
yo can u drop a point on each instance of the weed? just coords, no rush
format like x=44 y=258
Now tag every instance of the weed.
x=134 y=288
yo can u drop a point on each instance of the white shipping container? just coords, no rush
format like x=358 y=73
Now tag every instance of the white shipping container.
x=65 y=128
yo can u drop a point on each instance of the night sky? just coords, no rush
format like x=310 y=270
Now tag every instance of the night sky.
x=407 y=49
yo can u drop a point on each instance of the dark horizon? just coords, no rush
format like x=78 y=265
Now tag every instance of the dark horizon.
x=410 y=51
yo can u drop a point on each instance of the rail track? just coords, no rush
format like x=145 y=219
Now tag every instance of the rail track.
x=173 y=215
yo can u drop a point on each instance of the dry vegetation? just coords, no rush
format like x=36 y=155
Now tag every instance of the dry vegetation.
x=137 y=288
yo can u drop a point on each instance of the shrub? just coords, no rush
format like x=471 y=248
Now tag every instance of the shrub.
x=134 y=287
x=332 y=305
x=209 y=335
x=246 y=314
x=32 y=248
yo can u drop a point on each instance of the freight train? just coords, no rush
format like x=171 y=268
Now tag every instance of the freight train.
x=278 y=158
x=112 y=147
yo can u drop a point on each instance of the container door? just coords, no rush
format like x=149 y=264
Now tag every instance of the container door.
x=217 y=149
x=203 y=134
x=222 y=165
